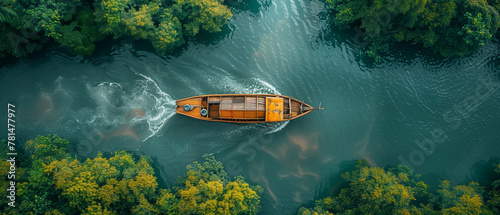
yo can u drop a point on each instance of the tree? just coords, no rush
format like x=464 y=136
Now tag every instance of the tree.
x=46 y=15
x=207 y=14
x=26 y=25
x=448 y=27
x=374 y=190
x=462 y=199
x=379 y=19
x=168 y=35
x=167 y=202
x=494 y=194
x=118 y=184
x=56 y=184
x=6 y=11
x=80 y=35
x=205 y=189
x=45 y=149
x=161 y=23
x=37 y=193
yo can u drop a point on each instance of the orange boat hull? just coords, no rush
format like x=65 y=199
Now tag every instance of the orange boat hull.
x=242 y=108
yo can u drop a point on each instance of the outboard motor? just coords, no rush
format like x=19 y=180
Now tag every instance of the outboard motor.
x=188 y=107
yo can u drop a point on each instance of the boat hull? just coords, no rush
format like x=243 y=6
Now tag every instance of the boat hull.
x=242 y=108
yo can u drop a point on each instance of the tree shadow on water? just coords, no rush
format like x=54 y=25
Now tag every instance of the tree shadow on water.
x=334 y=182
x=254 y=7
x=251 y=7
x=484 y=173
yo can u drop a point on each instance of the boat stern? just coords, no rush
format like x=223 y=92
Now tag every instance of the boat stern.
x=189 y=107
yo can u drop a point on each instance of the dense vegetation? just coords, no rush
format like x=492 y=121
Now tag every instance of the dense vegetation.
x=26 y=25
x=51 y=181
x=447 y=27
x=372 y=190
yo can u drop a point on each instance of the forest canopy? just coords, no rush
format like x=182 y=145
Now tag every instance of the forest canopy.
x=51 y=181
x=77 y=25
x=447 y=27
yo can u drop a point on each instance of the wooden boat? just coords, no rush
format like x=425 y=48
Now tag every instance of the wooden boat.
x=243 y=108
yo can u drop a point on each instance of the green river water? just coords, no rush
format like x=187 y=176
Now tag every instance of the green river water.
x=438 y=116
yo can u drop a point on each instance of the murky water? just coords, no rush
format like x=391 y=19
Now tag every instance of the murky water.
x=439 y=116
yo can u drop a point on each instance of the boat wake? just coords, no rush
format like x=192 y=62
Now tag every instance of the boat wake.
x=139 y=112
x=279 y=127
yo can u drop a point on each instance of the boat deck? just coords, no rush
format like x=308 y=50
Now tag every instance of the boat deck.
x=242 y=108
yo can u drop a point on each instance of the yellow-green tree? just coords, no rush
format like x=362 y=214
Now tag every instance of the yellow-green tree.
x=167 y=202
x=462 y=199
x=37 y=191
x=372 y=190
x=55 y=183
x=168 y=34
x=118 y=184
x=205 y=189
x=207 y=14
x=162 y=23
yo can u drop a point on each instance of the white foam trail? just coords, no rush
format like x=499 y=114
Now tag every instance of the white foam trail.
x=272 y=89
x=280 y=126
x=145 y=102
x=164 y=105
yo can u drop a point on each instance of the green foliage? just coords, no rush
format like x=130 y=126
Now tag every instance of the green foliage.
x=206 y=190
x=476 y=31
x=46 y=15
x=463 y=199
x=210 y=170
x=161 y=23
x=37 y=192
x=317 y=210
x=167 y=202
x=52 y=182
x=448 y=27
x=26 y=25
x=117 y=183
x=144 y=207
x=80 y=35
x=207 y=14
x=55 y=183
x=45 y=149
x=6 y=11
x=120 y=17
x=18 y=42
x=168 y=34
x=494 y=195
x=372 y=190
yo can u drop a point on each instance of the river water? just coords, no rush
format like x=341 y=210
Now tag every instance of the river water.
x=438 y=116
